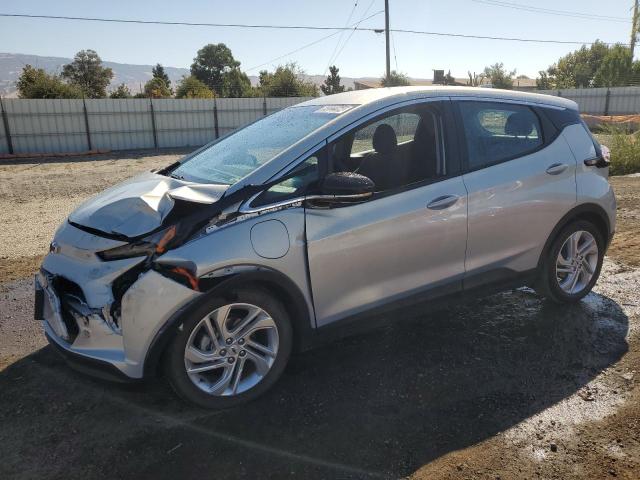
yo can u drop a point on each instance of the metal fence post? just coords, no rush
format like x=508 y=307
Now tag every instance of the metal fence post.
x=153 y=123
x=86 y=123
x=264 y=105
x=7 y=132
x=606 y=101
x=215 y=117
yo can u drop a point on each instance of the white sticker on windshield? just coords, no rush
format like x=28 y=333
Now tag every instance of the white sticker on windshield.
x=334 y=109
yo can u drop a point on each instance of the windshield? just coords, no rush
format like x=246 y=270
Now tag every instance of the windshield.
x=242 y=152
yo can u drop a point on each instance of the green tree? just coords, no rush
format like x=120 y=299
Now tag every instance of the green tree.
x=475 y=80
x=191 y=87
x=236 y=84
x=156 y=88
x=331 y=84
x=212 y=63
x=576 y=69
x=615 y=69
x=122 y=91
x=286 y=81
x=499 y=77
x=36 y=83
x=158 y=72
x=544 y=81
x=395 y=79
x=86 y=72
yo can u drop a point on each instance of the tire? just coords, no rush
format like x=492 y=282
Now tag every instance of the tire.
x=213 y=381
x=556 y=280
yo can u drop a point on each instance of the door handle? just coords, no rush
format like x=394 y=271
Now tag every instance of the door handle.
x=557 y=168
x=442 y=202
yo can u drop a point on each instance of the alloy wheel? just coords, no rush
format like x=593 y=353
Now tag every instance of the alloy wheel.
x=231 y=349
x=577 y=262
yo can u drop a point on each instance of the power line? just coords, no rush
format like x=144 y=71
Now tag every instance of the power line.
x=362 y=19
x=308 y=27
x=508 y=39
x=550 y=11
x=395 y=57
x=187 y=24
x=321 y=39
x=355 y=5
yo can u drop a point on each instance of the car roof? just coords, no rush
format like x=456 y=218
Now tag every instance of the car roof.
x=389 y=95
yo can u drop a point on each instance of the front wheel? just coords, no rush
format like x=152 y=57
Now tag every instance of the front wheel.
x=230 y=352
x=572 y=264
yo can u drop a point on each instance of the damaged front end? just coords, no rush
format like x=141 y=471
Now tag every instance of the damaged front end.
x=103 y=293
x=106 y=311
x=100 y=292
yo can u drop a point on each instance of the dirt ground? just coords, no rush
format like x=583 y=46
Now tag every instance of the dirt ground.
x=507 y=387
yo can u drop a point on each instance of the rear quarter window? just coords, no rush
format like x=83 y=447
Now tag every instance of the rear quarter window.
x=496 y=132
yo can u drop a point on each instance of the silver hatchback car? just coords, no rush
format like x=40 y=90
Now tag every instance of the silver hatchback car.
x=321 y=218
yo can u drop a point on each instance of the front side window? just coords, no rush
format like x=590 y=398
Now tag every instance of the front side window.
x=296 y=184
x=496 y=132
x=247 y=149
x=399 y=149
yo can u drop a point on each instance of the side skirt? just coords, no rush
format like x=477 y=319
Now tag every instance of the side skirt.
x=429 y=301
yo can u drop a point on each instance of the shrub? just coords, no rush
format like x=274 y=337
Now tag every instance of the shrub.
x=625 y=150
x=191 y=87
x=36 y=83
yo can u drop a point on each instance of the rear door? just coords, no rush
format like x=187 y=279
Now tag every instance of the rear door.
x=520 y=177
x=408 y=238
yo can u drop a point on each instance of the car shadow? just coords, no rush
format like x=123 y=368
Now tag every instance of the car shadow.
x=378 y=404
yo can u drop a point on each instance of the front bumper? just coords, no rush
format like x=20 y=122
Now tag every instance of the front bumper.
x=74 y=289
x=86 y=334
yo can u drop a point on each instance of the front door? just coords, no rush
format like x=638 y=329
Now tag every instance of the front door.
x=410 y=236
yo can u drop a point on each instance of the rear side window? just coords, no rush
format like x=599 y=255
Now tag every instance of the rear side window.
x=496 y=132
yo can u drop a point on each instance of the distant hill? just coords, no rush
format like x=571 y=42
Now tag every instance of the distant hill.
x=133 y=76
x=11 y=65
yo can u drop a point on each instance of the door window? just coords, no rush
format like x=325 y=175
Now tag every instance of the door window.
x=496 y=132
x=296 y=184
x=396 y=150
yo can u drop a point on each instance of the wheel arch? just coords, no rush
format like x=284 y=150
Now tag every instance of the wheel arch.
x=590 y=212
x=257 y=277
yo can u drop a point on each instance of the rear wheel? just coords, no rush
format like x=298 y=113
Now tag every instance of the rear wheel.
x=572 y=264
x=229 y=352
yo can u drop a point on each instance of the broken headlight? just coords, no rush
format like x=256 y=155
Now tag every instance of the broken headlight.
x=156 y=243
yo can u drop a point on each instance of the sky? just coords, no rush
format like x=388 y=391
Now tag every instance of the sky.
x=362 y=55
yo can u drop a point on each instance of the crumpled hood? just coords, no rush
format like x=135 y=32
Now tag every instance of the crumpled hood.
x=139 y=205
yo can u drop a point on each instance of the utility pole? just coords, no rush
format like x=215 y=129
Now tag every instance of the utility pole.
x=386 y=34
x=634 y=28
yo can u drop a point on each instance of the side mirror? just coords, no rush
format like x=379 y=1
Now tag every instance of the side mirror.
x=344 y=187
x=347 y=183
x=599 y=162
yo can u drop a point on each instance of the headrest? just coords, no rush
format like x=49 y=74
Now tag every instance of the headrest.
x=519 y=124
x=384 y=139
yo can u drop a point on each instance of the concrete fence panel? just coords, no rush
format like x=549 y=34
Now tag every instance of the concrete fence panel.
x=65 y=126
x=602 y=101
x=624 y=100
x=41 y=125
x=120 y=124
x=184 y=122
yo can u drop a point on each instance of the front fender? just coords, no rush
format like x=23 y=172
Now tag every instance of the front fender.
x=251 y=276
